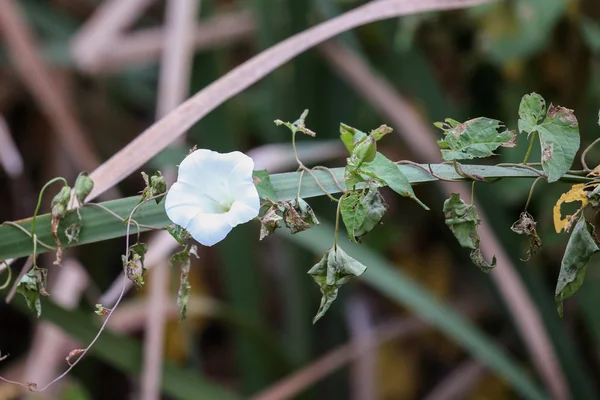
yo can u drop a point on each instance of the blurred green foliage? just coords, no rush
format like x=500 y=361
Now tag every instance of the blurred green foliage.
x=459 y=64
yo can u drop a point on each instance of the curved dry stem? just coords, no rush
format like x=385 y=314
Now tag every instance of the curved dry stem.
x=428 y=170
x=524 y=166
x=169 y=128
x=460 y=171
x=25 y=231
x=584 y=154
x=531 y=191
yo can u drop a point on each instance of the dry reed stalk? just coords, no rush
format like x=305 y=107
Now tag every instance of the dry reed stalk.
x=38 y=78
x=169 y=128
x=145 y=46
x=94 y=40
x=173 y=88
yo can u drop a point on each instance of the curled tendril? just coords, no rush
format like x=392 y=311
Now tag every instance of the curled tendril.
x=584 y=154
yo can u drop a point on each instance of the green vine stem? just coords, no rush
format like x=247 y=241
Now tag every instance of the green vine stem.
x=337 y=221
x=37 y=207
x=530 y=148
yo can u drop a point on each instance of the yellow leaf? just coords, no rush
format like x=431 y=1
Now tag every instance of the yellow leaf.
x=576 y=193
x=594 y=172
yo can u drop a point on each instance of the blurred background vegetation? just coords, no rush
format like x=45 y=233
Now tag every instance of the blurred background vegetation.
x=249 y=320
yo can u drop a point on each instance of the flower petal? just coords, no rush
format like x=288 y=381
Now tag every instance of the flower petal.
x=213 y=193
x=246 y=205
x=209 y=229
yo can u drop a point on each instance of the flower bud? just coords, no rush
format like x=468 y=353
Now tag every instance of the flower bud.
x=365 y=150
x=83 y=186
x=60 y=202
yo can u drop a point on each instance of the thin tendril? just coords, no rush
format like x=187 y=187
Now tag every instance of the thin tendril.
x=112 y=310
x=25 y=231
x=587 y=149
x=337 y=222
x=103 y=326
x=472 y=192
x=531 y=191
x=37 y=207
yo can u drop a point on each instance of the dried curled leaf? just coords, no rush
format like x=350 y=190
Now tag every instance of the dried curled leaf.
x=476 y=138
x=269 y=222
x=576 y=193
x=462 y=219
x=526 y=226
x=582 y=245
x=32 y=286
x=134 y=266
x=298 y=215
x=335 y=269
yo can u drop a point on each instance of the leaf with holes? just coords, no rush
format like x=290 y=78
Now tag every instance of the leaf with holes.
x=532 y=110
x=462 y=219
x=582 y=245
x=476 y=138
x=559 y=138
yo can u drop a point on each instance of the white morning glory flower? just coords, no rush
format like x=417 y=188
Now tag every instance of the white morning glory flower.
x=214 y=192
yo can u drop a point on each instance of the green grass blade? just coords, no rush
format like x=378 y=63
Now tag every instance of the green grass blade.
x=99 y=225
x=389 y=281
x=125 y=353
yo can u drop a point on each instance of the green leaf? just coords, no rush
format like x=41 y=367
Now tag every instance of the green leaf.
x=178 y=233
x=582 y=245
x=389 y=280
x=375 y=210
x=353 y=211
x=155 y=185
x=387 y=171
x=361 y=212
x=531 y=111
x=364 y=151
x=262 y=181
x=462 y=220
x=559 y=138
x=350 y=136
x=476 y=138
x=83 y=186
x=32 y=286
x=334 y=270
